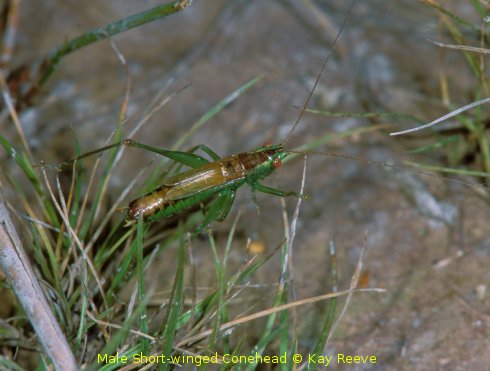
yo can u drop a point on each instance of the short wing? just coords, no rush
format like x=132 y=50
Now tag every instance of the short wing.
x=198 y=180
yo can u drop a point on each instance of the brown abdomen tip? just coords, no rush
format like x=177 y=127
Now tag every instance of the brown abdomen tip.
x=134 y=211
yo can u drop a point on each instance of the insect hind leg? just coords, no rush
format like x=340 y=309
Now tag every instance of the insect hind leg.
x=186 y=158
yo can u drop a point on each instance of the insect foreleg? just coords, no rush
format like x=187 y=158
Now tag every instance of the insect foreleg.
x=273 y=191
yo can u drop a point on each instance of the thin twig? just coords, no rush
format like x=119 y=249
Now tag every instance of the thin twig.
x=17 y=268
x=10 y=32
x=109 y=30
x=267 y=312
x=445 y=117
x=86 y=259
x=465 y=48
x=353 y=285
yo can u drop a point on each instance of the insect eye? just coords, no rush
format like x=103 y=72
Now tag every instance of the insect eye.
x=276 y=163
x=267 y=144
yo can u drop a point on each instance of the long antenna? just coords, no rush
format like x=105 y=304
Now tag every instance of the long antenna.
x=334 y=44
x=393 y=167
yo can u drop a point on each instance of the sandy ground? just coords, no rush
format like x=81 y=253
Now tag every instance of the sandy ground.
x=430 y=256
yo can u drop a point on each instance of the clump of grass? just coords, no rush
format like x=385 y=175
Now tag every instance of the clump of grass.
x=465 y=144
x=87 y=261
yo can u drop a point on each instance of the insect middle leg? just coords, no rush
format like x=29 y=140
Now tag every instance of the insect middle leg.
x=218 y=209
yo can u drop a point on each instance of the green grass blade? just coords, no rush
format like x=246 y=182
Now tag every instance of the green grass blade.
x=331 y=307
x=8 y=364
x=470 y=26
x=121 y=274
x=140 y=268
x=101 y=186
x=440 y=143
x=84 y=295
x=327 y=138
x=23 y=161
x=265 y=339
x=366 y=115
x=215 y=110
x=220 y=267
x=108 y=31
x=448 y=170
x=480 y=8
x=129 y=353
x=176 y=303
